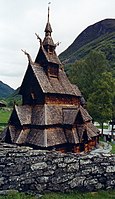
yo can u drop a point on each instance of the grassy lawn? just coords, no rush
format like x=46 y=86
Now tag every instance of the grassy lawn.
x=75 y=195
x=113 y=148
x=4 y=117
x=15 y=195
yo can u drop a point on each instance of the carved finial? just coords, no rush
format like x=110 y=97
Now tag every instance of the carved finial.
x=57 y=44
x=40 y=40
x=29 y=57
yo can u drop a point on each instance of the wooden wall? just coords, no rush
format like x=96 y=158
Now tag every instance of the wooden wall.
x=61 y=99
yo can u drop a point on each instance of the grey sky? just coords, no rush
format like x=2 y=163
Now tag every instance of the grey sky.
x=20 y=19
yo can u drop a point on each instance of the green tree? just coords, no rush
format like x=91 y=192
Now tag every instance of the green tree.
x=84 y=72
x=76 y=74
x=96 y=64
x=100 y=102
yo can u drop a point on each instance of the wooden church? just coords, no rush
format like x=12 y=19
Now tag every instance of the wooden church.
x=51 y=115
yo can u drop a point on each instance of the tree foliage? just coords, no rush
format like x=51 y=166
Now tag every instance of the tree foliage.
x=100 y=102
x=96 y=81
x=84 y=72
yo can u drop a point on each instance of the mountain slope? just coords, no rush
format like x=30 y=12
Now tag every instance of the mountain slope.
x=99 y=36
x=5 y=90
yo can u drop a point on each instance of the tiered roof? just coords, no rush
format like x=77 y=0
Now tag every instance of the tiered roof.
x=50 y=114
x=37 y=119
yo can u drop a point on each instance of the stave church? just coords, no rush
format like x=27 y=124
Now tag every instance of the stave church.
x=52 y=115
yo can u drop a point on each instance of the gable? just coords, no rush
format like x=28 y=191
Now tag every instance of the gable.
x=44 y=57
x=24 y=114
x=69 y=115
x=41 y=57
x=14 y=120
x=29 y=82
x=30 y=89
x=60 y=85
x=84 y=114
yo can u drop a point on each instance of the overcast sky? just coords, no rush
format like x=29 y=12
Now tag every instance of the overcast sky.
x=20 y=19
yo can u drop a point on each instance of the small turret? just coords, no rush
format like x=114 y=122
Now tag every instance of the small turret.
x=48 y=41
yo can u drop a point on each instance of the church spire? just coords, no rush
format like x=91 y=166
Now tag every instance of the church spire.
x=48 y=12
x=48 y=28
x=48 y=41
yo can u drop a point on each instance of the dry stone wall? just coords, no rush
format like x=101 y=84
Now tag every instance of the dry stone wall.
x=35 y=171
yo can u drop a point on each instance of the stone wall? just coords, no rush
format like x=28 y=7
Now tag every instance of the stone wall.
x=28 y=170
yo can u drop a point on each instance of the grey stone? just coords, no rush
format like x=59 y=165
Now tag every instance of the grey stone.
x=85 y=161
x=105 y=163
x=99 y=186
x=110 y=182
x=72 y=167
x=110 y=169
x=77 y=182
x=70 y=160
x=2 y=181
x=97 y=169
x=42 y=179
x=86 y=171
x=37 y=171
x=49 y=172
x=38 y=166
x=90 y=181
x=102 y=179
x=62 y=165
x=2 y=166
x=62 y=178
x=51 y=167
x=58 y=160
x=40 y=188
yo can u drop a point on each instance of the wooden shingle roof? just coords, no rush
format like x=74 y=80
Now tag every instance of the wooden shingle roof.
x=24 y=114
x=72 y=136
x=36 y=137
x=50 y=57
x=45 y=114
x=60 y=85
x=51 y=114
x=92 y=130
x=69 y=115
x=85 y=115
x=48 y=41
x=41 y=116
x=46 y=137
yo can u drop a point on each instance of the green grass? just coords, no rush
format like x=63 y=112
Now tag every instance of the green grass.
x=16 y=195
x=113 y=148
x=76 y=195
x=4 y=117
x=110 y=194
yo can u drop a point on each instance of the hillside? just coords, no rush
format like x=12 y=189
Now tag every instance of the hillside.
x=99 y=36
x=5 y=90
